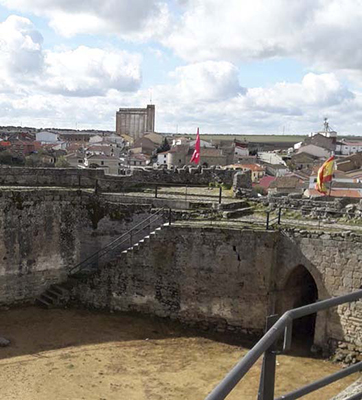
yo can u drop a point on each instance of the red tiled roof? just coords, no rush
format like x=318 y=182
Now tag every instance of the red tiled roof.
x=265 y=181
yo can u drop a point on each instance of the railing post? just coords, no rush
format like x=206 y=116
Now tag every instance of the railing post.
x=267 y=219
x=267 y=376
x=279 y=215
x=156 y=188
x=169 y=217
x=220 y=194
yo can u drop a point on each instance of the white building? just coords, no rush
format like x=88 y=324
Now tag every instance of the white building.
x=46 y=137
x=162 y=158
x=347 y=148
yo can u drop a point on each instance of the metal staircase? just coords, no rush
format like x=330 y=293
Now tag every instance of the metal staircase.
x=129 y=241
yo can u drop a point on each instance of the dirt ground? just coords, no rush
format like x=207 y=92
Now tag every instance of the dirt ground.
x=78 y=354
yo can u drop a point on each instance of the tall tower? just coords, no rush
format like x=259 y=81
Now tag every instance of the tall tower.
x=135 y=122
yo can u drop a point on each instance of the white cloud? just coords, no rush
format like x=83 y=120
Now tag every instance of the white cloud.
x=21 y=49
x=88 y=71
x=83 y=71
x=314 y=92
x=321 y=32
x=136 y=19
x=208 y=81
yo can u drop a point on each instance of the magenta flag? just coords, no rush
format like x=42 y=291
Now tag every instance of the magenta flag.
x=196 y=155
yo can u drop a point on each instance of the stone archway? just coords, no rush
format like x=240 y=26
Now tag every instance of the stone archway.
x=298 y=290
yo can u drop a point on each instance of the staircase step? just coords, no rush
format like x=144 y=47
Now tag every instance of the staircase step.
x=43 y=303
x=52 y=293
x=46 y=298
x=60 y=289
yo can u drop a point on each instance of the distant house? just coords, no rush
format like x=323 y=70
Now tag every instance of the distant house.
x=271 y=157
x=315 y=150
x=276 y=170
x=162 y=158
x=138 y=159
x=75 y=160
x=350 y=163
x=144 y=145
x=320 y=140
x=210 y=157
x=304 y=160
x=241 y=149
x=155 y=138
x=180 y=140
x=257 y=171
x=24 y=147
x=110 y=164
x=287 y=185
x=46 y=137
x=347 y=147
x=103 y=149
x=265 y=181
x=177 y=156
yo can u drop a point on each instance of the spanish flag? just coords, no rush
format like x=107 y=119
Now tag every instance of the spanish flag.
x=325 y=174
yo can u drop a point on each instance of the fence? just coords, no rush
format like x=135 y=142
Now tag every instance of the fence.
x=266 y=346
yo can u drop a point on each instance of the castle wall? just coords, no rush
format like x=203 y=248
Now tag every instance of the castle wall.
x=45 y=233
x=88 y=178
x=203 y=277
x=231 y=279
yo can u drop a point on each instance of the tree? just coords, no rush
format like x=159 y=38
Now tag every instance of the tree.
x=6 y=158
x=33 y=160
x=62 y=162
x=164 y=146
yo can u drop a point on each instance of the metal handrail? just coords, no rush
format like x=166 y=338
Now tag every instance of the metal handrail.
x=284 y=324
x=119 y=240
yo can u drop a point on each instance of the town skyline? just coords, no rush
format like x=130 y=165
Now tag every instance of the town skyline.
x=247 y=67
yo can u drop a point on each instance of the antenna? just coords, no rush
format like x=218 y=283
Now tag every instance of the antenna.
x=151 y=96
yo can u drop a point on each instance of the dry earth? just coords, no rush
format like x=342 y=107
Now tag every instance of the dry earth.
x=84 y=355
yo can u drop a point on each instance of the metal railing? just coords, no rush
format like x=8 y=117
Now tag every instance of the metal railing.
x=126 y=238
x=270 y=221
x=266 y=346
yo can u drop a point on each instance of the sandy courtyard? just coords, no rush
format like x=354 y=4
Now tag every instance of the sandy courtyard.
x=83 y=355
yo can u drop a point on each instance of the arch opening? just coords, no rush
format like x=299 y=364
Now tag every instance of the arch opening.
x=300 y=290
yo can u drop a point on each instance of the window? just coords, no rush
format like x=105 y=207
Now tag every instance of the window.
x=80 y=161
x=102 y=162
x=164 y=161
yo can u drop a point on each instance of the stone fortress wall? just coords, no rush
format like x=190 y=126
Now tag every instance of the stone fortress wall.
x=226 y=278
x=43 y=233
x=88 y=178
x=232 y=279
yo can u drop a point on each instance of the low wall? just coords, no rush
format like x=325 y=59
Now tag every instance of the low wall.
x=43 y=233
x=89 y=178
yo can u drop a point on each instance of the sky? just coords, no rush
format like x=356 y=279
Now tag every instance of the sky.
x=228 y=67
